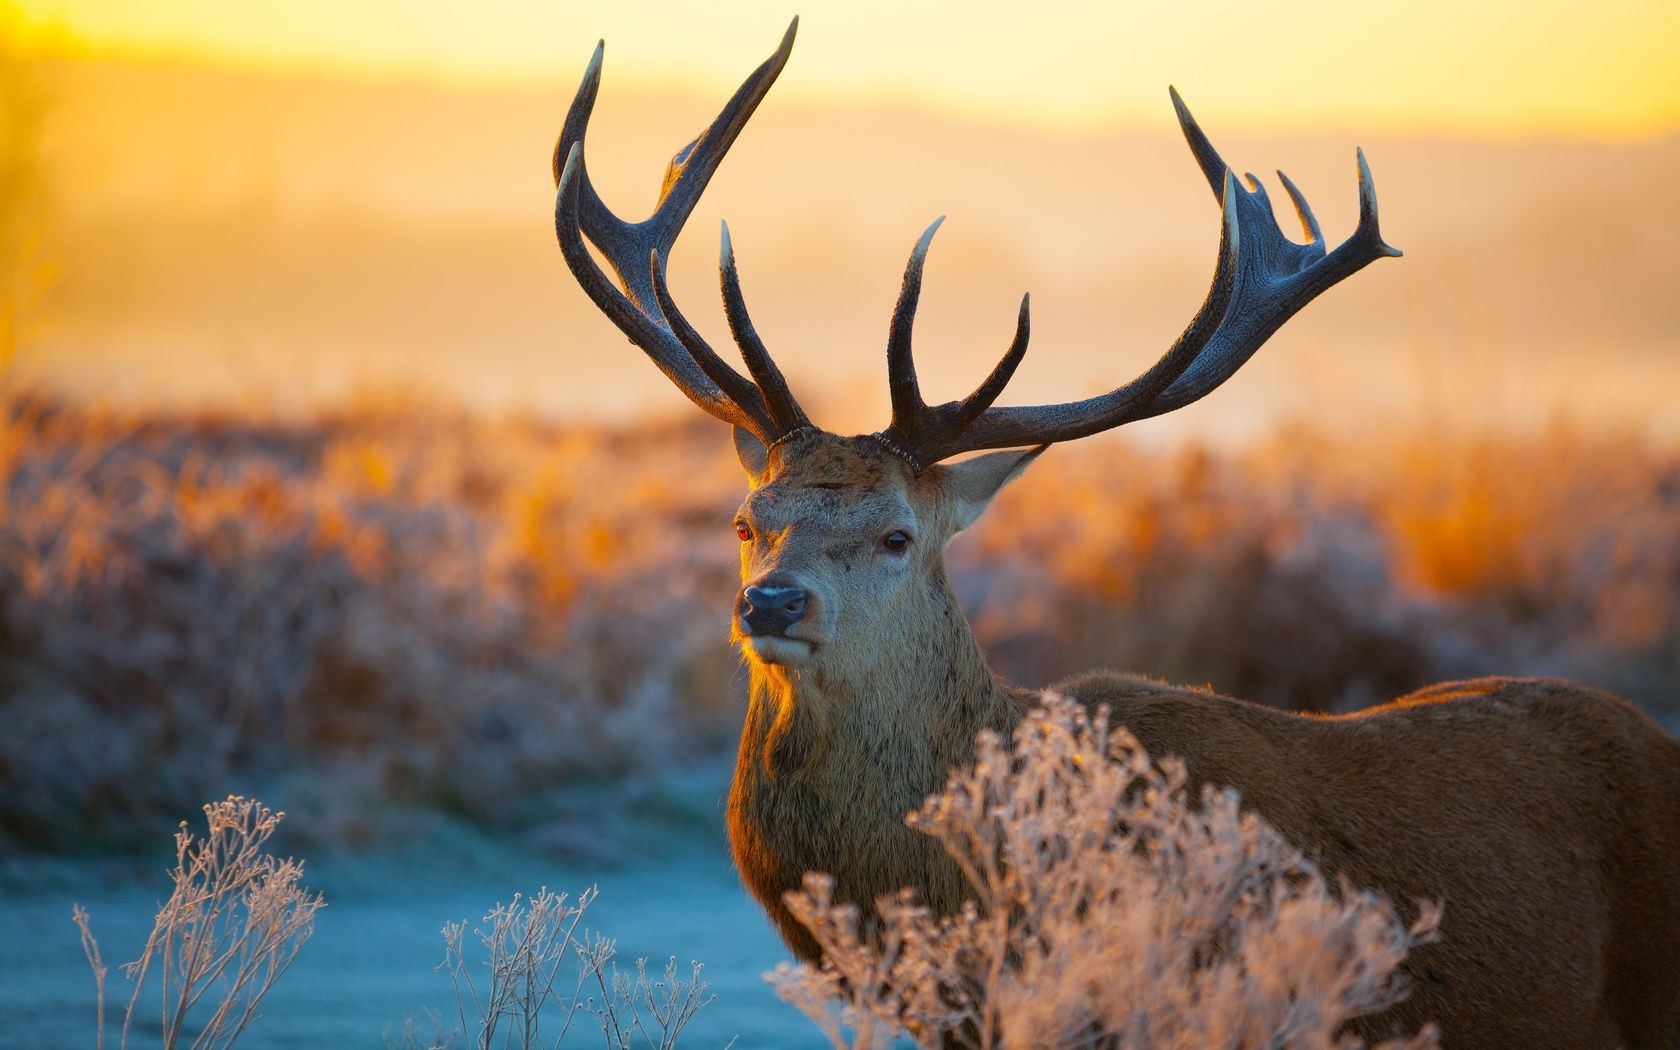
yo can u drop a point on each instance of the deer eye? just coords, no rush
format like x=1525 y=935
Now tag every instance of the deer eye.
x=743 y=530
x=897 y=541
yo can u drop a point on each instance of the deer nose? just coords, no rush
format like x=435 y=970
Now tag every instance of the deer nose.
x=771 y=610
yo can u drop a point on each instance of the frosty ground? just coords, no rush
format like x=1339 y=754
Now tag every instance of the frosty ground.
x=374 y=956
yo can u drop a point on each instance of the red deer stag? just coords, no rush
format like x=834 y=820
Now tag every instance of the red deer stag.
x=1544 y=815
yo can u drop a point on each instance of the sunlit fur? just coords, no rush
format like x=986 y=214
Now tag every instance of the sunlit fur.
x=1544 y=815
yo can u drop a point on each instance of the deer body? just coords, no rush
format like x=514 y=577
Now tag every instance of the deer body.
x=1561 y=924
x=1544 y=816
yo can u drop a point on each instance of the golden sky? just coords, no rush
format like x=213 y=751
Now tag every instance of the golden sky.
x=1499 y=68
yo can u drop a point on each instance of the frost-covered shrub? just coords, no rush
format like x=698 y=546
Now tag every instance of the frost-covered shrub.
x=1109 y=911
x=381 y=612
x=361 y=611
x=528 y=945
x=235 y=920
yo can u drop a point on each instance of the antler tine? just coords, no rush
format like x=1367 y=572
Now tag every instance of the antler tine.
x=693 y=165
x=734 y=385
x=1262 y=279
x=1278 y=280
x=1303 y=210
x=908 y=409
x=785 y=413
x=658 y=342
x=918 y=429
x=969 y=409
x=637 y=252
x=974 y=424
x=626 y=244
x=1201 y=147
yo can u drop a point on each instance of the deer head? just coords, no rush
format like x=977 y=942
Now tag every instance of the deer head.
x=838 y=532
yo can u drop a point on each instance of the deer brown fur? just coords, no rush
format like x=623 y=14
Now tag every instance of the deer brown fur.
x=1544 y=816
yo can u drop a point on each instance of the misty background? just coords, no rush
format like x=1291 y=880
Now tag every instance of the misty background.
x=299 y=239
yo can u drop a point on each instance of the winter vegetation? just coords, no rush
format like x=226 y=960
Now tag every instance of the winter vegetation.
x=389 y=611
x=527 y=945
x=233 y=924
x=237 y=917
x=395 y=613
x=1109 y=911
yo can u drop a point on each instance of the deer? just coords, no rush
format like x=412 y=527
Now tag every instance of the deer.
x=1542 y=814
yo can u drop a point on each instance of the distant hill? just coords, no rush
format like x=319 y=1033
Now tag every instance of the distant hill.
x=231 y=234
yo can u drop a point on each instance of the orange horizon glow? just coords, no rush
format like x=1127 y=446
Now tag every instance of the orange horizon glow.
x=1497 y=69
x=307 y=201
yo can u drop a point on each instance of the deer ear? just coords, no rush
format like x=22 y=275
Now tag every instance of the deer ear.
x=751 y=452
x=973 y=482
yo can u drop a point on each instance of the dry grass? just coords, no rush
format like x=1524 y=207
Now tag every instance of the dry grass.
x=193 y=601
x=1317 y=574
x=234 y=922
x=526 y=945
x=237 y=916
x=1108 y=912
x=406 y=606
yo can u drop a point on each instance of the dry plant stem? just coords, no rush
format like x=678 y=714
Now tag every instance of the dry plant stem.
x=612 y=1025
x=413 y=1035
x=671 y=1003
x=236 y=919
x=527 y=942
x=1110 y=911
x=90 y=948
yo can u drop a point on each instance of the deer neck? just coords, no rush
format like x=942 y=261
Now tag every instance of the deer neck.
x=831 y=761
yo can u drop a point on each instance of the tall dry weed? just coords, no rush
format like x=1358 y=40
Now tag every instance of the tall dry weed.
x=527 y=945
x=234 y=922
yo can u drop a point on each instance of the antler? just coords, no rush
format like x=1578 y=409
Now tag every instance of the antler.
x=1260 y=281
x=641 y=305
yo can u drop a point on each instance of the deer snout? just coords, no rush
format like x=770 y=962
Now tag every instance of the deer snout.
x=770 y=609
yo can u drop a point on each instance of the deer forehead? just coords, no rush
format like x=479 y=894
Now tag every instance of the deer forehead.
x=820 y=509
x=833 y=484
x=819 y=459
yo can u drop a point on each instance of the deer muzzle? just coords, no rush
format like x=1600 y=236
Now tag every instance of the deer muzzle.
x=771 y=608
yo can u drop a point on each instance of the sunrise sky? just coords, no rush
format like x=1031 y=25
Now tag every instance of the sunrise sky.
x=1500 y=68
x=257 y=199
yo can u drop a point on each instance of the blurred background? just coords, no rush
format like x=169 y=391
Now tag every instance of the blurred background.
x=319 y=469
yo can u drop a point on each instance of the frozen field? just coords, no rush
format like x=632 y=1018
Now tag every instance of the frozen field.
x=373 y=958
